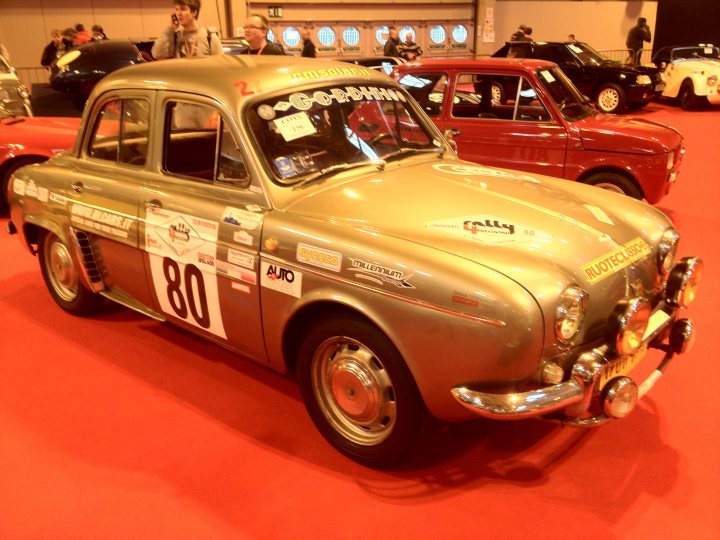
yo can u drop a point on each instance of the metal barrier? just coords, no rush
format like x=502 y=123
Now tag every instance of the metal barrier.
x=623 y=55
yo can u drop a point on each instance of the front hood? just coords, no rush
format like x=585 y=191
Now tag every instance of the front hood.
x=521 y=225
x=615 y=133
x=33 y=134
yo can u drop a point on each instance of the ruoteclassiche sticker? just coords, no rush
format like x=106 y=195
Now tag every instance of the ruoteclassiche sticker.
x=383 y=273
x=281 y=279
x=101 y=220
x=323 y=258
x=488 y=229
x=477 y=170
x=616 y=260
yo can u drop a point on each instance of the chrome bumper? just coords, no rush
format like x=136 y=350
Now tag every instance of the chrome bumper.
x=576 y=394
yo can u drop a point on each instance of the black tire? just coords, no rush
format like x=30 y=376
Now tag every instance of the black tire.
x=62 y=277
x=358 y=391
x=7 y=173
x=689 y=101
x=615 y=182
x=610 y=98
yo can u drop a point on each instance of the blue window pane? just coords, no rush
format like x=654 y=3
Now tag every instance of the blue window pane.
x=351 y=36
x=271 y=35
x=326 y=36
x=291 y=36
x=405 y=30
x=381 y=34
x=437 y=34
x=460 y=33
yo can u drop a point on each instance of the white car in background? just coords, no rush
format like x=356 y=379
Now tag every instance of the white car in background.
x=690 y=74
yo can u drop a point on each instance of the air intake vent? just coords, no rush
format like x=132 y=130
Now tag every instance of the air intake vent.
x=91 y=260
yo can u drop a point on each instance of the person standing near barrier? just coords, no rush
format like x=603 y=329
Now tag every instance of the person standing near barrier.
x=636 y=37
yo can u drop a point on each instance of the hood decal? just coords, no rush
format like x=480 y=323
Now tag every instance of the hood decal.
x=616 y=260
x=488 y=229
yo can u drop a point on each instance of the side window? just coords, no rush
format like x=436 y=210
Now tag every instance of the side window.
x=121 y=132
x=529 y=107
x=199 y=144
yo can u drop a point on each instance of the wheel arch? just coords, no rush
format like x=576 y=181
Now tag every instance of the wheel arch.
x=609 y=169
x=13 y=163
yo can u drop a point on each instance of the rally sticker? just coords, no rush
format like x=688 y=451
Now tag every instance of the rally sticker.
x=488 y=229
x=475 y=170
x=616 y=260
x=302 y=101
x=241 y=258
x=242 y=218
x=322 y=258
x=383 y=273
x=281 y=279
x=100 y=220
x=19 y=187
x=243 y=237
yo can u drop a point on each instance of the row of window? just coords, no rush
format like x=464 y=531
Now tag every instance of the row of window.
x=327 y=36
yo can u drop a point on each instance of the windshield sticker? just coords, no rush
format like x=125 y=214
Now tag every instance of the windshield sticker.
x=473 y=170
x=616 y=260
x=547 y=76
x=383 y=273
x=100 y=220
x=322 y=258
x=281 y=279
x=599 y=214
x=266 y=112
x=242 y=218
x=300 y=163
x=295 y=126
x=488 y=229
x=304 y=102
x=575 y=49
x=329 y=72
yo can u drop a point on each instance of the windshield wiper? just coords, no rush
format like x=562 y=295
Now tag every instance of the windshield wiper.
x=403 y=151
x=379 y=163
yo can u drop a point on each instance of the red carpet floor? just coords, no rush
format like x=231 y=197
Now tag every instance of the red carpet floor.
x=119 y=427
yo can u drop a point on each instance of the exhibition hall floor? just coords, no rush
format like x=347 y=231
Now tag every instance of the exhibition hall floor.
x=119 y=427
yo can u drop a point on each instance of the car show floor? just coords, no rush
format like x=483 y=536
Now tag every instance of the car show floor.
x=121 y=427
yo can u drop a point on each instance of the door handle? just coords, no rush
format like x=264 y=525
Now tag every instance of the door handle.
x=77 y=187
x=152 y=204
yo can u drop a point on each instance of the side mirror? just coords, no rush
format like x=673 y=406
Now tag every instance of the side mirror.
x=450 y=135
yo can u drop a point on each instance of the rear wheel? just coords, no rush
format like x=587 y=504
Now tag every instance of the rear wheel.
x=689 y=100
x=615 y=182
x=62 y=277
x=611 y=98
x=358 y=391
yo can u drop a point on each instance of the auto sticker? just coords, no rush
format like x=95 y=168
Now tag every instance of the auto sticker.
x=281 y=279
x=322 y=258
x=295 y=126
x=381 y=273
x=489 y=229
x=182 y=250
x=475 y=170
x=616 y=260
x=101 y=220
x=242 y=218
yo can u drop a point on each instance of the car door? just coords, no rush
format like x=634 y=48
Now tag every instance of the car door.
x=203 y=220
x=103 y=193
x=516 y=132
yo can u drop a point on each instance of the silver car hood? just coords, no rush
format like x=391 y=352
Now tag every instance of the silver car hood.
x=525 y=226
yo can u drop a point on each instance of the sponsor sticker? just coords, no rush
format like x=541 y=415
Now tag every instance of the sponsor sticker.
x=383 y=273
x=616 y=260
x=100 y=219
x=242 y=218
x=240 y=258
x=329 y=72
x=489 y=229
x=477 y=170
x=322 y=258
x=243 y=237
x=295 y=126
x=19 y=187
x=281 y=279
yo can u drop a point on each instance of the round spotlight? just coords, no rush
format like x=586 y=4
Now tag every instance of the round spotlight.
x=621 y=396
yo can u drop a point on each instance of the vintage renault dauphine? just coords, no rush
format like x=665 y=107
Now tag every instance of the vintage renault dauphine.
x=309 y=216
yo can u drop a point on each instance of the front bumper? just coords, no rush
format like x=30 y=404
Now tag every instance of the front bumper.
x=586 y=398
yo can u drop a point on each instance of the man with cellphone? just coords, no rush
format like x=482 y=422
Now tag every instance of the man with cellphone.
x=185 y=37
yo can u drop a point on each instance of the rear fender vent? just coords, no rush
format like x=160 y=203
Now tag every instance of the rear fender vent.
x=91 y=259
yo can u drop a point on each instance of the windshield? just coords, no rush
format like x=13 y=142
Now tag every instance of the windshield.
x=587 y=55
x=303 y=135
x=696 y=52
x=571 y=103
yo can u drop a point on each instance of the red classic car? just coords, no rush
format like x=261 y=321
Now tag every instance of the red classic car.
x=30 y=139
x=527 y=115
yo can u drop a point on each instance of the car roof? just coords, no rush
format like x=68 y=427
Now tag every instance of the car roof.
x=484 y=62
x=233 y=78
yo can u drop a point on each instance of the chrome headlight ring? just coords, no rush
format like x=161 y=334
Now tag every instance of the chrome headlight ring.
x=627 y=325
x=570 y=313
x=667 y=250
x=683 y=281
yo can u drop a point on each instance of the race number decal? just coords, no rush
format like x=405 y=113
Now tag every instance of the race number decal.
x=182 y=252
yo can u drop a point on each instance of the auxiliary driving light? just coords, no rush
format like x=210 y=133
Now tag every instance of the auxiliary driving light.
x=683 y=282
x=682 y=336
x=627 y=325
x=621 y=396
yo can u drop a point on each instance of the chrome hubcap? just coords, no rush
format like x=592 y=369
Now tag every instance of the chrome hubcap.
x=61 y=270
x=608 y=99
x=354 y=391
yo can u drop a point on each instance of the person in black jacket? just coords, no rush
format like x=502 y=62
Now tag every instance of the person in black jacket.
x=55 y=49
x=308 y=46
x=636 y=37
x=392 y=44
x=256 y=29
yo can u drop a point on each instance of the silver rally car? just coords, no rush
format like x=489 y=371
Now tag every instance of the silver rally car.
x=309 y=216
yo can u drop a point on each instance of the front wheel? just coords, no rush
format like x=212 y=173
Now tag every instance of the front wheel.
x=359 y=392
x=611 y=98
x=689 y=100
x=615 y=182
x=62 y=277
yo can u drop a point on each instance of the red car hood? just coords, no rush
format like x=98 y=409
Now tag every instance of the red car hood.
x=612 y=133
x=39 y=132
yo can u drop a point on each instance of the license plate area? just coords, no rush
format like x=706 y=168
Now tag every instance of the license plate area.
x=621 y=366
